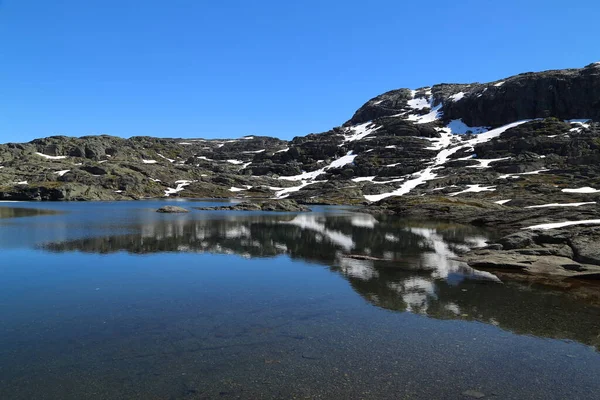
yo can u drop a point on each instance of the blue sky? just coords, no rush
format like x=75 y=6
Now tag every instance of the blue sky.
x=194 y=68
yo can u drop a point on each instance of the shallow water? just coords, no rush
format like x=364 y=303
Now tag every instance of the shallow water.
x=115 y=301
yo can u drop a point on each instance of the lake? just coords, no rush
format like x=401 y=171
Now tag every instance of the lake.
x=115 y=301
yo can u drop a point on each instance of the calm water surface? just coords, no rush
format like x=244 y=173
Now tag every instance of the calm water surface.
x=115 y=301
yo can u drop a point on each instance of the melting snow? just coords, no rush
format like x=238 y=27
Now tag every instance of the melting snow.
x=475 y=189
x=168 y=159
x=522 y=173
x=499 y=83
x=282 y=150
x=283 y=193
x=51 y=157
x=418 y=103
x=61 y=173
x=340 y=162
x=149 y=161
x=442 y=157
x=457 y=126
x=457 y=97
x=502 y=201
x=363 y=179
x=485 y=163
x=358 y=132
x=181 y=184
x=236 y=189
x=235 y=162
x=431 y=116
x=585 y=189
x=562 y=204
x=564 y=224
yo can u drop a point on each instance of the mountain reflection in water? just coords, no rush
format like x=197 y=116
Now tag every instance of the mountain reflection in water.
x=392 y=263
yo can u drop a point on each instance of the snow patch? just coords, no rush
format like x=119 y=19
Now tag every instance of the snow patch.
x=338 y=163
x=359 y=132
x=61 y=173
x=585 y=189
x=523 y=173
x=445 y=151
x=457 y=97
x=557 y=225
x=562 y=205
x=149 y=161
x=363 y=179
x=168 y=159
x=46 y=156
x=418 y=103
x=485 y=163
x=457 y=126
x=475 y=189
x=283 y=193
x=181 y=184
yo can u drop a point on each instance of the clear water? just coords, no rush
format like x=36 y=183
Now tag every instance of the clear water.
x=116 y=301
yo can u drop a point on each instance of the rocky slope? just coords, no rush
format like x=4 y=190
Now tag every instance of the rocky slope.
x=525 y=136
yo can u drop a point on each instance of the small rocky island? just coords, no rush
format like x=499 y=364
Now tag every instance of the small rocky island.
x=520 y=156
x=266 y=205
x=172 y=210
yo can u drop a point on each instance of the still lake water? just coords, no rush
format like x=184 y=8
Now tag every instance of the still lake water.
x=115 y=301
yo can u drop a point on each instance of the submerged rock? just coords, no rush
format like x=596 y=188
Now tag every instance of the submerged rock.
x=172 y=210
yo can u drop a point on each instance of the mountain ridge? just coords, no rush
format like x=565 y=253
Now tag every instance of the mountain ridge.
x=391 y=137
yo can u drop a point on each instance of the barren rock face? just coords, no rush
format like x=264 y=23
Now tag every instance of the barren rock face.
x=464 y=140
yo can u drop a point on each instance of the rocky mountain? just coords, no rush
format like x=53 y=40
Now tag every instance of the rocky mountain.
x=520 y=155
x=525 y=140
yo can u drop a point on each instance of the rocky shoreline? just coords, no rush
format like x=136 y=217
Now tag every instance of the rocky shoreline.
x=566 y=257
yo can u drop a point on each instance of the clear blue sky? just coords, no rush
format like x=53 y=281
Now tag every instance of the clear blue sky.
x=227 y=68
